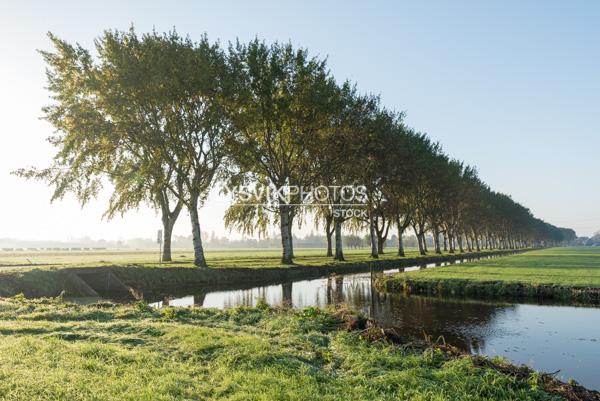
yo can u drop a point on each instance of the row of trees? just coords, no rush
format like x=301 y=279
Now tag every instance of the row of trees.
x=164 y=118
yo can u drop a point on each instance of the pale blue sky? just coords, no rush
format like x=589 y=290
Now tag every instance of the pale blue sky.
x=512 y=87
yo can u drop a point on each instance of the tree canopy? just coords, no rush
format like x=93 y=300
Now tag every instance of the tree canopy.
x=163 y=118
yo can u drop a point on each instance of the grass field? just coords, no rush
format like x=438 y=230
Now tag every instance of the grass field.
x=558 y=268
x=216 y=258
x=140 y=269
x=55 y=351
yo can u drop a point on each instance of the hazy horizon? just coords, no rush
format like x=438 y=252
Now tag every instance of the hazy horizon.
x=518 y=100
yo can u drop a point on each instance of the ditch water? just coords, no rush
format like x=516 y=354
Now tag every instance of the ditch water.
x=549 y=338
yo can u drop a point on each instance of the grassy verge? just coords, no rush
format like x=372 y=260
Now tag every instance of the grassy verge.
x=235 y=269
x=51 y=350
x=565 y=274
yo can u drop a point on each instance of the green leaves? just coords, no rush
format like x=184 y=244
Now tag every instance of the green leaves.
x=162 y=117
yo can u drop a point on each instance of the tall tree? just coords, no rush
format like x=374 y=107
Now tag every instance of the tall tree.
x=165 y=96
x=400 y=181
x=87 y=155
x=282 y=99
x=147 y=115
x=334 y=161
x=371 y=139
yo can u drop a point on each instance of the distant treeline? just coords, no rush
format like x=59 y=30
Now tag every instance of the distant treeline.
x=588 y=241
x=185 y=242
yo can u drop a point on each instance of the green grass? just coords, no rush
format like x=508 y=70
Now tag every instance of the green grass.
x=140 y=269
x=552 y=270
x=252 y=258
x=55 y=351
x=560 y=266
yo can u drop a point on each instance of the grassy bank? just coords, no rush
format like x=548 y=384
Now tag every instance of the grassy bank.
x=565 y=274
x=234 y=268
x=51 y=350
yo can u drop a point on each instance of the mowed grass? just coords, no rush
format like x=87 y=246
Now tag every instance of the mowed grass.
x=251 y=258
x=55 y=351
x=567 y=267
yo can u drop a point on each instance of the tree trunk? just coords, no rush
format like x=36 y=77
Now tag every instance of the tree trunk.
x=374 y=248
x=286 y=241
x=400 y=240
x=436 y=241
x=290 y=225
x=167 y=234
x=168 y=218
x=460 y=243
x=380 y=244
x=339 y=251
x=199 y=259
x=381 y=235
x=329 y=234
x=419 y=241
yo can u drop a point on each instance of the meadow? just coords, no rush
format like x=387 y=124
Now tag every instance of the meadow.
x=554 y=272
x=40 y=276
x=218 y=258
x=58 y=351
